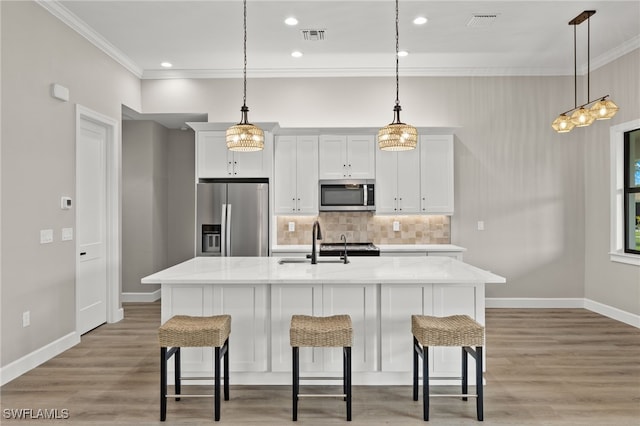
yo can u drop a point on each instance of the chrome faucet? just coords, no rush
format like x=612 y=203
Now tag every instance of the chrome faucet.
x=316 y=234
x=344 y=238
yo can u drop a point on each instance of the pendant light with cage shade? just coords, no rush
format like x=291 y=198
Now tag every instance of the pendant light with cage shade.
x=245 y=136
x=585 y=114
x=397 y=136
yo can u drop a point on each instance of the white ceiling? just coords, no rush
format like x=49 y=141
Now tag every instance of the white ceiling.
x=204 y=38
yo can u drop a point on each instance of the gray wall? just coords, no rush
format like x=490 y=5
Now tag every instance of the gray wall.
x=182 y=196
x=526 y=182
x=145 y=149
x=614 y=284
x=38 y=166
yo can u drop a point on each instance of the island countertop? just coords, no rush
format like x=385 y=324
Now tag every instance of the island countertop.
x=365 y=270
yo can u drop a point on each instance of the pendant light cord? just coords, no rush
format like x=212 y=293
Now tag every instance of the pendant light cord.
x=575 y=70
x=397 y=58
x=244 y=73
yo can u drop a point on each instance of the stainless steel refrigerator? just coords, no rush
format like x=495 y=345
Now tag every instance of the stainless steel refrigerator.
x=232 y=218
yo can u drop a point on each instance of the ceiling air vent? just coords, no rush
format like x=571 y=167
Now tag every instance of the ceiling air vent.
x=313 y=35
x=481 y=19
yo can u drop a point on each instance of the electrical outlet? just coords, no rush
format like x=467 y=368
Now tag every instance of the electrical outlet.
x=26 y=318
x=292 y=226
x=396 y=225
x=46 y=236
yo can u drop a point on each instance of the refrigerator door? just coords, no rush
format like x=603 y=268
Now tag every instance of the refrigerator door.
x=211 y=197
x=248 y=219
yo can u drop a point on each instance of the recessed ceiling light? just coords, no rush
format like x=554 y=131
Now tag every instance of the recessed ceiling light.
x=291 y=21
x=166 y=64
x=420 y=20
x=296 y=54
x=403 y=53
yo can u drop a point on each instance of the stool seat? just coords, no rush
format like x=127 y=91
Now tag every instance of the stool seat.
x=309 y=331
x=188 y=331
x=455 y=330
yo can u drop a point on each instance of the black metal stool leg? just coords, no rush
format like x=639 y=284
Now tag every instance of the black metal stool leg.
x=347 y=351
x=415 y=368
x=163 y=384
x=177 y=373
x=479 y=385
x=465 y=373
x=226 y=370
x=425 y=382
x=216 y=380
x=296 y=380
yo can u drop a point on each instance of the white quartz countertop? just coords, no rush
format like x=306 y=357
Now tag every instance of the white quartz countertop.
x=372 y=270
x=387 y=248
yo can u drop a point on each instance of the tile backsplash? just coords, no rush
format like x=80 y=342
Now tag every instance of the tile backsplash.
x=364 y=227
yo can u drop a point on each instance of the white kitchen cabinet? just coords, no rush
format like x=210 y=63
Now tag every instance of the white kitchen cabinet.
x=247 y=305
x=399 y=302
x=398 y=182
x=360 y=302
x=436 y=174
x=214 y=160
x=357 y=300
x=296 y=175
x=286 y=301
x=347 y=157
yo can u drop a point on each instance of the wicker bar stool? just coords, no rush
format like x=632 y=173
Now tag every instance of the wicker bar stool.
x=187 y=331
x=456 y=330
x=333 y=331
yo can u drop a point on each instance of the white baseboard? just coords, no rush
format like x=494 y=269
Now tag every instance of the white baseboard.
x=613 y=313
x=37 y=357
x=532 y=302
x=141 y=297
x=597 y=307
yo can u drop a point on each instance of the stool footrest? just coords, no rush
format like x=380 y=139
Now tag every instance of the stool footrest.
x=321 y=378
x=182 y=395
x=457 y=395
x=314 y=395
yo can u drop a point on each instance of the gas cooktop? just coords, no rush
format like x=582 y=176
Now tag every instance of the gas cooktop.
x=353 y=249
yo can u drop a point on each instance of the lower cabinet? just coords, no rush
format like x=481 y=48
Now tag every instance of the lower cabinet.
x=399 y=302
x=357 y=300
x=247 y=305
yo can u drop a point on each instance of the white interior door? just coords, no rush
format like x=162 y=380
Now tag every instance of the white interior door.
x=91 y=178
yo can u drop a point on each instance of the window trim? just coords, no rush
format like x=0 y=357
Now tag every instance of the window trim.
x=617 y=233
x=628 y=190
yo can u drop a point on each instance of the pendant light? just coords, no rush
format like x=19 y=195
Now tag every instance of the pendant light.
x=583 y=116
x=244 y=136
x=397 y=136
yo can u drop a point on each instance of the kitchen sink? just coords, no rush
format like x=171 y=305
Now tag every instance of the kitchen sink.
x=307 y=261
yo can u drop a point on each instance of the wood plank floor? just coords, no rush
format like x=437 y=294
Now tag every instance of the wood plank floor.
x=544 y=367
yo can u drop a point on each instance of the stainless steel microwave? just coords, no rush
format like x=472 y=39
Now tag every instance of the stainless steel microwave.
x=347 y=195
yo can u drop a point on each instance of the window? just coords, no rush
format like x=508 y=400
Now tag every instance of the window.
x=632 y=191
x=625 y=192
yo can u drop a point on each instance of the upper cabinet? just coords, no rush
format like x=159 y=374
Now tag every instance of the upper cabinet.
x=436 y=174
x=214 y=160
x=347 y=157
x=397 y=182
x=296 y=175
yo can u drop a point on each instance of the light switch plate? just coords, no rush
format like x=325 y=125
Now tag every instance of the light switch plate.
x=481 y=225
x=67 y=234
x=396 y=225
x=46 y=236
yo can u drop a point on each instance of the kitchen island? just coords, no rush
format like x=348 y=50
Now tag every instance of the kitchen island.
x=379 y=293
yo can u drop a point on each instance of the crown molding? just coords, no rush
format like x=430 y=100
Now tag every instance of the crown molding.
x=613 y=54
x=79 y=26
